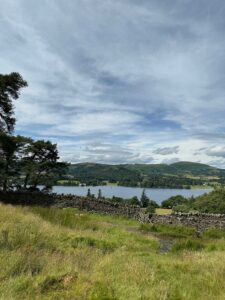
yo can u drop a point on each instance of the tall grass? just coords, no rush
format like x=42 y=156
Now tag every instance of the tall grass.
x=48 y=253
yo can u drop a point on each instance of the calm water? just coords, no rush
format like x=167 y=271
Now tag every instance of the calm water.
x=127 y=192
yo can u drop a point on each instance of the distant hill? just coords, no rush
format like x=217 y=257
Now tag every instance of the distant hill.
x=180 y=174
x=102 y=171
x=195 y=168
x=178 y=168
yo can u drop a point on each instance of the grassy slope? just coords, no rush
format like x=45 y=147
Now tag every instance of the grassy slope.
x=67 y=254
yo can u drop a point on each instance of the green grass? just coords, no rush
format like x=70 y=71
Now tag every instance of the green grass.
x=48 y=253
x=168 y=231
x=206 y=187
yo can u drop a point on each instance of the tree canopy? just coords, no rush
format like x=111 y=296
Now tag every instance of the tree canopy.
x=24 y=162
x=173 y=201
x=10 y=86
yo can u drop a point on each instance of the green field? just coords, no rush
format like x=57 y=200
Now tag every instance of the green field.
x=67 y=254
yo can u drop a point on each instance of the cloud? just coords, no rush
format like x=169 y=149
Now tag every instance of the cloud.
x=136 y=76
x=106 y=153
x=170 y=161
x=167 y=150
x=216 y=151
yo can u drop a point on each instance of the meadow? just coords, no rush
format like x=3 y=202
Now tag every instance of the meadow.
x=49 y=253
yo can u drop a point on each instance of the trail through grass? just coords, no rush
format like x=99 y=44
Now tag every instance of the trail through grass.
x=48 y=253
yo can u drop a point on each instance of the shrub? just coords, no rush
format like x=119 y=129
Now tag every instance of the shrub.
x=150 y=209
x=173 y=201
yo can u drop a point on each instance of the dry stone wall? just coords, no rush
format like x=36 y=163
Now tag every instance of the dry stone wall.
x=199 y=221
x=66 y=201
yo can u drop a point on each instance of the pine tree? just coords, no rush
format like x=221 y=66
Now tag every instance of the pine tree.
x=10 y=86
x=99 y=194
x=89 y=193
x=144 y=199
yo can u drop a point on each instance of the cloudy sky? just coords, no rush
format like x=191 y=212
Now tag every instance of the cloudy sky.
x=120 y=81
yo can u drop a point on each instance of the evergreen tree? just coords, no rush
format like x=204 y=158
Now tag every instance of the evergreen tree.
x=10 y=86
x=40 y=162
x=22 y=157
x=89 y=193
x=144 y=199
x=99 y=194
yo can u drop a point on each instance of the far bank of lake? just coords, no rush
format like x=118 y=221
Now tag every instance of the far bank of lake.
x=156 y=194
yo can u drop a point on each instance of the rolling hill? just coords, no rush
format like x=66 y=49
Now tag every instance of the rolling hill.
x=180 y=174
x=179 y=168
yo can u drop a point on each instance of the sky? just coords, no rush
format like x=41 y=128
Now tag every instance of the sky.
x=120 y=81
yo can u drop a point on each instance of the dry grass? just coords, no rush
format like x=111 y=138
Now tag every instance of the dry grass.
x=163 y=211
x=65 y=254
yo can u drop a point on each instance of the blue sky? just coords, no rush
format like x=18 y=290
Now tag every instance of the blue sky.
x=120 y=81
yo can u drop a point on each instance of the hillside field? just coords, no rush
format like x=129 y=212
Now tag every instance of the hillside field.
x=49 y=253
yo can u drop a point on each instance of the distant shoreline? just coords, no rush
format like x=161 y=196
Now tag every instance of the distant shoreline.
x=114 y=185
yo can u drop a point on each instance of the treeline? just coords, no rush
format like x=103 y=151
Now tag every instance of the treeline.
x=25 y=163
x=146 y=182
x=151 y=181
x=160 y=181
x=213 y=202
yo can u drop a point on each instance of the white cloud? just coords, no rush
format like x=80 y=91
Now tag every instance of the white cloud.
x=218 y=151
x=147 y=77
x=167 y=150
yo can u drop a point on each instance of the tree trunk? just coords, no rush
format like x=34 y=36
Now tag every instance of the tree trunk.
x=5 y=181
x=5 y=184
x=26 y=180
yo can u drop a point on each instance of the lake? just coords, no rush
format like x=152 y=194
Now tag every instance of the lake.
x=128 y=192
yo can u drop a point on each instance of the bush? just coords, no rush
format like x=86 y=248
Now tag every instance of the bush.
x=173 y=201
x=134 y=201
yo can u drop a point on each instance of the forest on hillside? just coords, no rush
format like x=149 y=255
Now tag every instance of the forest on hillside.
x=177 y=175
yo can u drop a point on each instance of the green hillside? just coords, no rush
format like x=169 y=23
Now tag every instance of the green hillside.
x=213 y=202
x=180 y=174
x=177 y=168
x=195 y=169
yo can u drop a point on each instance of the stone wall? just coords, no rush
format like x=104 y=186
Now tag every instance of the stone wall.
x=199 y=221
x=64 y=201
x=92 y=204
